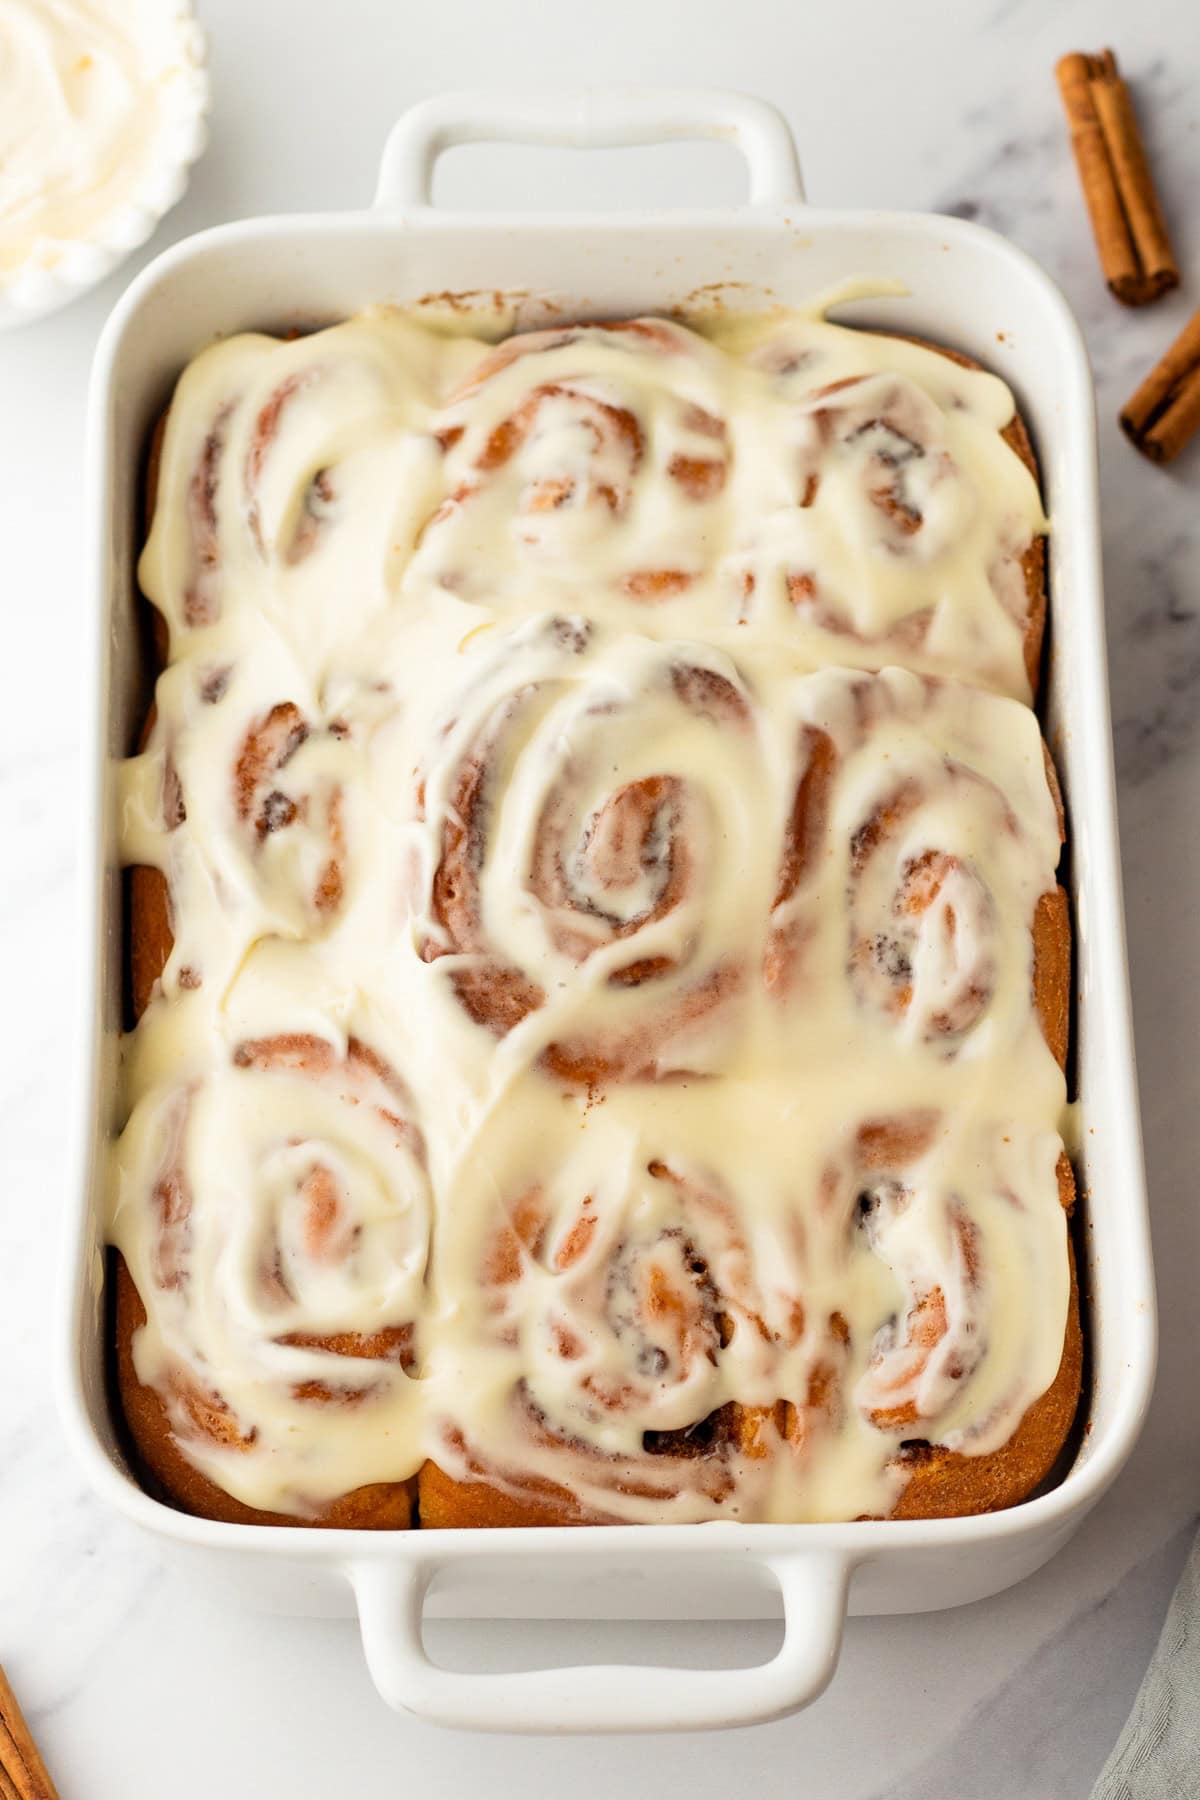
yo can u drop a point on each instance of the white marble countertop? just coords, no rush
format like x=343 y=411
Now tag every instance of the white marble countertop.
x=138 y=1684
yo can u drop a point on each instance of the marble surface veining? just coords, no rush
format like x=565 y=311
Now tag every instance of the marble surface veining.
x=137 y=1683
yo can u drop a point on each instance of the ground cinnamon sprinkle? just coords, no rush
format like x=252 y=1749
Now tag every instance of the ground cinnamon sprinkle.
x=1131 y=234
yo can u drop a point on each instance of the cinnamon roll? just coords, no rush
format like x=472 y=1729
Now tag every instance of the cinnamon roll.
x=246 y=813
x=905 y=526
x=285 y=471
x=272 y=1218
x=617 y=1334
x=602 y=779
x=940 y=852
x=940 y=1211
x=602 y=446
x=924 y=923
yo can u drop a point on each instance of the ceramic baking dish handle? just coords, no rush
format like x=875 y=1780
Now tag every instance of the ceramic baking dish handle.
x=593 y=1697
x=588 y=119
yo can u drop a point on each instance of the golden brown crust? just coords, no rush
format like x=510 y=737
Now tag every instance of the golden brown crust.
x=443 y=1503
x=1033 y=561
x=1052 y=970
x=946 y=1484
x=380 y=1506
x=1052 y=943
x=151 y=939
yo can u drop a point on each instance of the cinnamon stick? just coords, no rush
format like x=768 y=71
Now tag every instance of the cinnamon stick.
x=24 y=1774
x=1127 y=220
x=16 y=1783
x=1165 y=411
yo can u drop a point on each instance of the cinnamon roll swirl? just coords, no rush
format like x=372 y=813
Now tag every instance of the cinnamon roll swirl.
x=933 y=1213
x=272 y=1219
x=602 y=445
x=287 y=470
x=603 y=779
x=623 y=1312
x=247 y=813
x=941 y=854
x=907 y=527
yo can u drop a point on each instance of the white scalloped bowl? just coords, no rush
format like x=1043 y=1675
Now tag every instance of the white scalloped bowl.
x=31 y=292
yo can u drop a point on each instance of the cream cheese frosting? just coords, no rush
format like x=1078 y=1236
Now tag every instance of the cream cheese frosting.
x=600 y=1017
x=91 y=94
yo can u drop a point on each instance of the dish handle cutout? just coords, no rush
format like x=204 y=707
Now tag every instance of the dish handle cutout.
x=594 y=1697
x=588 y=119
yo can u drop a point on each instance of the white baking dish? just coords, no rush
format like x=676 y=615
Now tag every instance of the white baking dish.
x=966 y=288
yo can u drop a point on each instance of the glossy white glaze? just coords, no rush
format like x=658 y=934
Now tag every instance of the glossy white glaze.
x=490 y=688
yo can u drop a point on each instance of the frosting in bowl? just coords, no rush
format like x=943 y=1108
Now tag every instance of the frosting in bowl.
x=97 y=100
